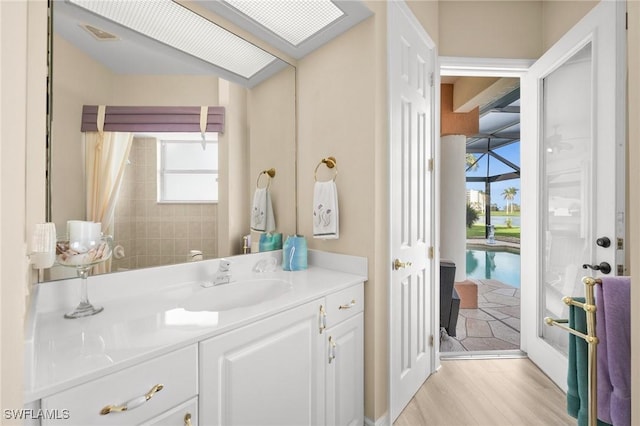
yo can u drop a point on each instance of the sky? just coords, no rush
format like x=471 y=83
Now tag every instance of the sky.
x=510 y=152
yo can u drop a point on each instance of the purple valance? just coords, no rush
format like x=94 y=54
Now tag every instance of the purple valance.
x=152 y=119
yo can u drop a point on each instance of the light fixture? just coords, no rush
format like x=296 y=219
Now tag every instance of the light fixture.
x=294 y=21
x=180 y=28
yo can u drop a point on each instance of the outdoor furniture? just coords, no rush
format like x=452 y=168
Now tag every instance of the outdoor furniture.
x=449 y=299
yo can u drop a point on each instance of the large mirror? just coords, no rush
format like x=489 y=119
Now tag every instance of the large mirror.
x=90 y=67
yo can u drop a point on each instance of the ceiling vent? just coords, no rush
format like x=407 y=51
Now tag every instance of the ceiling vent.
x=99 y=34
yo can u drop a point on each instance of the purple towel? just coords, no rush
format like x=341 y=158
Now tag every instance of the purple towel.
x=613 y=328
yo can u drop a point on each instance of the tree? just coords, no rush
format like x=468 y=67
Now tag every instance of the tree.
x=472 y=216
x=471 y=162
x=509 y=194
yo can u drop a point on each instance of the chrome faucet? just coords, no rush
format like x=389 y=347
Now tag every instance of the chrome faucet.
x=223 y=276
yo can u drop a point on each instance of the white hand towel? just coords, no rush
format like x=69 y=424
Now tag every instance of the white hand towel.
x=325 y=210
x=262 y=218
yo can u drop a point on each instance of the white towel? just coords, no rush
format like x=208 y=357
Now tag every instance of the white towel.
x=262 y=219
x=325 y=210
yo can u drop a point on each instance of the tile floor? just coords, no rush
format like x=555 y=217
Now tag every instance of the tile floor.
x=494 y=325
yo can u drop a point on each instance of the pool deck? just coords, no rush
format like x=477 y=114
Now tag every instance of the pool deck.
x=493 y=326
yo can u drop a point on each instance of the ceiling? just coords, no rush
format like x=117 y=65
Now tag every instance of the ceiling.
x=126 y=49
x=499 y=127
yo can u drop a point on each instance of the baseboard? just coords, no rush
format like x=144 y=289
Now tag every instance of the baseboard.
x=382 y=421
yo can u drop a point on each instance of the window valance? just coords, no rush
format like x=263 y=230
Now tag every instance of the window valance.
x=153 y=119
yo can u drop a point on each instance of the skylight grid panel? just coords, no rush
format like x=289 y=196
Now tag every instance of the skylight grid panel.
x=294 y=21
x=184 y=30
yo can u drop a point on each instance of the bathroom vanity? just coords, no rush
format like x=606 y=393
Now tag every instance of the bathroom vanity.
x=270 y=347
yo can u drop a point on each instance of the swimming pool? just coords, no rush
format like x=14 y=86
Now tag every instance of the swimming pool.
x=493 y=264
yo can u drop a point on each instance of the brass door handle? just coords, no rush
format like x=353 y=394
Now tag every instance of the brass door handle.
x=397 y=264
x=187 y=419
x=132 y=403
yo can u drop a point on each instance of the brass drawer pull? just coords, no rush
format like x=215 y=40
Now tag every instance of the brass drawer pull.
x=132 y=403
x=187 y=419
x=349 y=306
x=323 y=319
x=332 y=349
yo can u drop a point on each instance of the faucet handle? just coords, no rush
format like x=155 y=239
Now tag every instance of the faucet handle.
x=224 y=265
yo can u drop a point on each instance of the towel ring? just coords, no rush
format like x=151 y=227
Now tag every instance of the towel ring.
x=331 y=163
x=270 y=174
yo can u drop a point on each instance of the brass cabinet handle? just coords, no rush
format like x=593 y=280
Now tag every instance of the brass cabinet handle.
x=187 y=419
x=397 y=264
x=332 y=349
x=348 y=306
x=323 y=319
x=132 y=403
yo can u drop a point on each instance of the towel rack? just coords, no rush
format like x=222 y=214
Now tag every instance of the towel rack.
x=331 y=163
x=270 y=174
x=589 y=307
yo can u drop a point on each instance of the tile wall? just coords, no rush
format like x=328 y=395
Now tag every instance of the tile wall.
x=155 y=234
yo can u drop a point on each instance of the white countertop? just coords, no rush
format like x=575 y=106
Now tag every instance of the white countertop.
x=155 y=316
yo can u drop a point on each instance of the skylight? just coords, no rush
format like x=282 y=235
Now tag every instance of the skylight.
x=294 y=21
x=166 y=22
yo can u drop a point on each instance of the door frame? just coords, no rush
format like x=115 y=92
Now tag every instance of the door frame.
x=489 y=67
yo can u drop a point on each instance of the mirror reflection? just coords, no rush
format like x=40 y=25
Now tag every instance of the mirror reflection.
x=259 y=135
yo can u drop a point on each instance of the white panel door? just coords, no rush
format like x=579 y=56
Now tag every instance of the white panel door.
x=573 y=114
x=412 y=133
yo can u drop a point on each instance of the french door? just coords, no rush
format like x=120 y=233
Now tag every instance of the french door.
x=573 y=128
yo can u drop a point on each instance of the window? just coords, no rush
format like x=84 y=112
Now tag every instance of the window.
x=187 y=173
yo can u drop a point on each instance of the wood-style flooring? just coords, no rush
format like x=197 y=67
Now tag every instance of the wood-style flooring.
x=487 y=392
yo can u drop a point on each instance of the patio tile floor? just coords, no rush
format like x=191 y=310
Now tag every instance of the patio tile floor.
x=493 y=326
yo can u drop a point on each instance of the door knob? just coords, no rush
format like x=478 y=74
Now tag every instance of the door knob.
x=603 y=242
x=397 y=264
x=603 y=267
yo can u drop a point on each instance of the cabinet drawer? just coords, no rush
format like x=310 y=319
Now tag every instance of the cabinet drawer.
x=177 y=372
x=344 y=304
x=185 y=414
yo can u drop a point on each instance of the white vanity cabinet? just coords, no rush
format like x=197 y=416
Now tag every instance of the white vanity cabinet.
x=344 y=349
x=268 y=373
x=303 y=366
x=175 y=372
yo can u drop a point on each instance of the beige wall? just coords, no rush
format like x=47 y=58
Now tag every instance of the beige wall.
x=271 y=109
x=22 y=105
x=342 y=113
x=491 y=29
x=559 y=16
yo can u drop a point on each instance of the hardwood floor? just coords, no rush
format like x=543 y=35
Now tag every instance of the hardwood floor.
x=487 y=392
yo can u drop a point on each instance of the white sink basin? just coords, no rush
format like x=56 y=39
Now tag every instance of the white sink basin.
x=235 y=295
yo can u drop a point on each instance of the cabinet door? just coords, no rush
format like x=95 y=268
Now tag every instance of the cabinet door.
x=267 y=373
x=345 y=372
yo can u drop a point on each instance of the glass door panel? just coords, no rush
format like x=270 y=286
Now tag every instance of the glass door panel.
x=567 y=187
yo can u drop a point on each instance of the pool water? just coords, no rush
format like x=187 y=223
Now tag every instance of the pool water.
x=496 y=265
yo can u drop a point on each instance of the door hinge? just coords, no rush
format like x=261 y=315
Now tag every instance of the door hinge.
x=430 y=252
x=620 y=244
x=430 y=164
x=431 y=80
x=626 y=20
x=431 y=340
